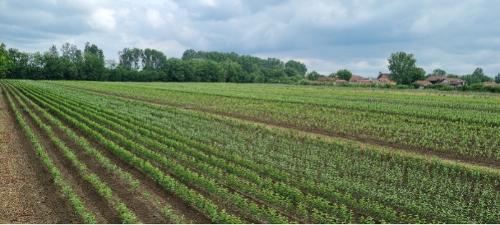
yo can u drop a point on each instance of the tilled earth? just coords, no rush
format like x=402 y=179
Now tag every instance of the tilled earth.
x=27 y=194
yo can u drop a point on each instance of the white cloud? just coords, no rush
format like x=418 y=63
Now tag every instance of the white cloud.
x=103 y=20
x=325 y=34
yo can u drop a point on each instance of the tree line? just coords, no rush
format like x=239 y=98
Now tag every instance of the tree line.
x=70 y=63
x=134 y=64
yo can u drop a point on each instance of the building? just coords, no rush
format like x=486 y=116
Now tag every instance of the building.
x=436 y=79
x=385 y=78
x=453 y=82
x=357 y=79
x=443 y=80
x=423 y=83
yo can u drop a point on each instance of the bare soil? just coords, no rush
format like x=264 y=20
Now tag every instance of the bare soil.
x=27 y=193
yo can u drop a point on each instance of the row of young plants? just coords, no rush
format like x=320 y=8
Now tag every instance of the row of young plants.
x=218 y=134
x=370 y=207
x=250 y=209
x=218 y=168
x=128 y=179
x=138 y=121
x=126 y=215
x=190 y=119
x=380 y=180
x=66 y=189
x=381 y=106
x=317 y=215
x=192 y=197
x=471 y=101
x=448 y=136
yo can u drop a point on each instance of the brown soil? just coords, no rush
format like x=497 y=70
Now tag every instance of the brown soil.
x=487 y=162
x=92 y=200
x=144 y=210
x=27 y=193
x=149 y=185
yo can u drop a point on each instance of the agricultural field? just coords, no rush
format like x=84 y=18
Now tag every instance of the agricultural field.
x=124 y=152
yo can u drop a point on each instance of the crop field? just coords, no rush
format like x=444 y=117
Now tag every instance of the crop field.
x=124 y=152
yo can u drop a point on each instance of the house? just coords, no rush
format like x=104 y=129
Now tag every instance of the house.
x=385 y=78
x=423 y=83
x=435 y=79
x=356 y=79
x=453 y=82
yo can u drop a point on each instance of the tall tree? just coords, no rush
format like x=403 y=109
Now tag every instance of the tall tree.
x=93 y=63
x=19 y=64
x=72 y=60
x=5 y=61
x=297 y=67
x=344 y=74
x=131 y=58
x=403 y=68
x=497 y=78
x=477 y=76
x=153 y=59
x=439 y=72
x=313 y=75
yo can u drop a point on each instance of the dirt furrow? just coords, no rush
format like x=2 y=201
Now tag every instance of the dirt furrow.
x=103 y=211
x=27 y=193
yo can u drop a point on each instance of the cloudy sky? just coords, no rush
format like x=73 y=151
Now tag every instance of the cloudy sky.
x=326 y=35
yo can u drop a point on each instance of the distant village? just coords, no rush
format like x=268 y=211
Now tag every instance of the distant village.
x=384 y=79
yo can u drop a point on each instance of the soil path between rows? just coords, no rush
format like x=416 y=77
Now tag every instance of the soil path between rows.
x=27 y=193
x=481 y=162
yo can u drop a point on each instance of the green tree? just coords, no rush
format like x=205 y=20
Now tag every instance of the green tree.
x=5 y=61
x=439 y=72
x=295 y=66
x=53 y=67
x=153 y=59
x=20 y=68
x=497 y=78
x=343 y=74
x=131 y=58
x=93 y=63
x=313 y=75
x=477 y=76
x=403 y=68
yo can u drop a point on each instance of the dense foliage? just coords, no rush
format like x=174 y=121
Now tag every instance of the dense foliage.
x=343 y=74
x=403 y=68
x=70 y=63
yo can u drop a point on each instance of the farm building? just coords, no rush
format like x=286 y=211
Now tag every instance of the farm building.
x=385 y=78
x=453 y=82
x=435 y=79
x=440 y=80
x=423 y=83
x=358 y=79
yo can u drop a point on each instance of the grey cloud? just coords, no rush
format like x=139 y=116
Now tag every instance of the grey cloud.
x=327 y=35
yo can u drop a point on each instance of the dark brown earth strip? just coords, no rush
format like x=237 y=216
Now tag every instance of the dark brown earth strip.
x=134 y=201
x=103 y=211
x=27 y=193
x=425 y=152
x=148 y=185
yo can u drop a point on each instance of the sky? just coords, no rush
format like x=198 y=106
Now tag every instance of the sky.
x=328 y=35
